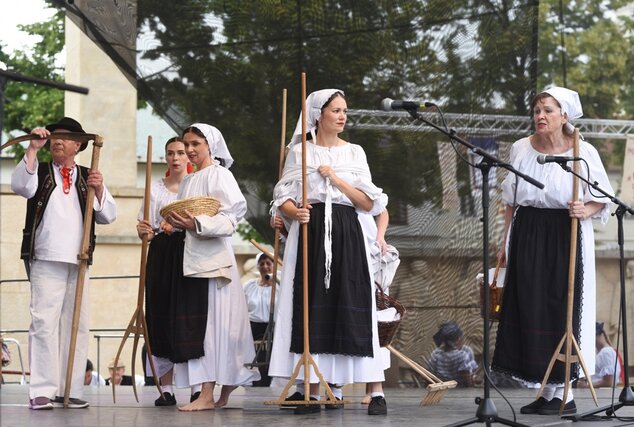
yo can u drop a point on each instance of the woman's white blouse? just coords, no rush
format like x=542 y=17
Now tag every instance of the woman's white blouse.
x=557 y=191
x=160 y=197
x=349 y=163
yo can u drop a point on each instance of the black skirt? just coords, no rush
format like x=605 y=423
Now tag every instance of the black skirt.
x=533 y=317
x=340 y=318
x=175 y=306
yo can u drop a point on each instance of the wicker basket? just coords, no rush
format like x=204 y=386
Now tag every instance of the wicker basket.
x=387 y=329
x=194 y=205
x=495 y=294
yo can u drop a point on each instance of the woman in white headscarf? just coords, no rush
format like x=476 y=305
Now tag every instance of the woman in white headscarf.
x=537 y=235
x=342 y=326
x=228 y=343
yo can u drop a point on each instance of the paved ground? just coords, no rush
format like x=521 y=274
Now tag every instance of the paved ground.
x=246 y=408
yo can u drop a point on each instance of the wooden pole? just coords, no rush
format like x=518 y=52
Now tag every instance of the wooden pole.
x=276 y=242
x=138 y=325
x=306 y=359
x=73 y=136
x=569 y=341
x=83 y=257
x=266 y=343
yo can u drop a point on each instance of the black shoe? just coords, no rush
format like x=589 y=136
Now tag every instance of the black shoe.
x=302 y=409
x=194 y=396
x=295 y=396
x=552 y=408
x=334 y=405
x=169 y=400
x=73 y=403
x=377 y=406
x=533 y=407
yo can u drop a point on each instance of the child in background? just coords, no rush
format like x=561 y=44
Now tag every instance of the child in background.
x=608 y=363
x=452 y=360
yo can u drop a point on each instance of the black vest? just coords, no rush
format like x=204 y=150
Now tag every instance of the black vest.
x=36 y=205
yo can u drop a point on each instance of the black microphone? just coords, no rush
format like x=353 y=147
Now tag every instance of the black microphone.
x=389 y=104
x=268 y=277
x=542 y=159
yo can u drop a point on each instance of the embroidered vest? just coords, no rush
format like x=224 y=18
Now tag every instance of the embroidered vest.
x=36 y=205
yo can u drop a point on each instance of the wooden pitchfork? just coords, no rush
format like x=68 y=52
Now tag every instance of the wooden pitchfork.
x=306 y=359
x=83 y=255
x=138 y=325
x=569 y=339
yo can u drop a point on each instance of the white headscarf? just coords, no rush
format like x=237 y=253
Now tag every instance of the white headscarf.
x=216 y=141
x=314 y=103
x=569 y=102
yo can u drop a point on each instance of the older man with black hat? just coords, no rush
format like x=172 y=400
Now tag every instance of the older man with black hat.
x=57 y=194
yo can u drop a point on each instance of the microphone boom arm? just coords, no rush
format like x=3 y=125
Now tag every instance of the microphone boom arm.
x=489 y=158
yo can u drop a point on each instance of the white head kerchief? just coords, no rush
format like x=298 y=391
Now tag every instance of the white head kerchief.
x=569 y=102
x=314 y=103
x=216 y=141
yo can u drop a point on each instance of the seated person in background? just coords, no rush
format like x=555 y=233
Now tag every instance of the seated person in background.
x=117 y=375
x=92 y=377
x=258 y=295
x=608 y=363
x=452 y=360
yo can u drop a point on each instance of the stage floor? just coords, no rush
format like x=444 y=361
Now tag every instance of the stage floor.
x=246 y=408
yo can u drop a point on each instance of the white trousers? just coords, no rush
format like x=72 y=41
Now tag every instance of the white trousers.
x=53 y=287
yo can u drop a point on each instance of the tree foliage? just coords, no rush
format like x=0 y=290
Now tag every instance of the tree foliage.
x=595 y=57
x=231 y=60
x=28 y=105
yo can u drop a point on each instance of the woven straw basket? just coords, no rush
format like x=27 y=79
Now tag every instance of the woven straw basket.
x=194 y=205
x=387 y=330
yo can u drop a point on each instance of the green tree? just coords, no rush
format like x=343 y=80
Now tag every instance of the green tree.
x=28 y=105
x=234 y=59
x=596 y=54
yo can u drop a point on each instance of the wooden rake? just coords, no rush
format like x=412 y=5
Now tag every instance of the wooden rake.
x=436 y=389
x=306 y=360
x=569 y=339
x=266 y=343
x=138 y=325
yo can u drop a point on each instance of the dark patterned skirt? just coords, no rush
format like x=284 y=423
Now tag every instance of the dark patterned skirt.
x=340 y=318
x=533 y=317
x=175 y=306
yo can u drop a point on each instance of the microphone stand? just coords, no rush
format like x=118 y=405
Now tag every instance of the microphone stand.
x=626 y=398
x=486 y=412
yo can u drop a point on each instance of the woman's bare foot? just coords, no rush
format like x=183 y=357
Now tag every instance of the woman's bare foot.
x=205 y=401
x=366 y=399
x=224 y=395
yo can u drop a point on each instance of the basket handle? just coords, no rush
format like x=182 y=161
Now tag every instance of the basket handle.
x=379 y=287
x=494 y=283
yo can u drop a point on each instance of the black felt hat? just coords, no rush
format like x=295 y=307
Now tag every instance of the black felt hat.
x=68 y=124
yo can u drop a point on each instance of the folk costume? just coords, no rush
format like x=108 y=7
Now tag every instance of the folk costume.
x=51 y=242
x=258 y=298
x=208 y=254
x=533 y=317
x=171 y=299
x=343 y=325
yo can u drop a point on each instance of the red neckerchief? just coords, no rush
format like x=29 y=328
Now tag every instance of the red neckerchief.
x=67 y=177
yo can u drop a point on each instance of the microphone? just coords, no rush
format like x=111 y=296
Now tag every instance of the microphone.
x=268 y=277
x=389 y=104
x=542 y=159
